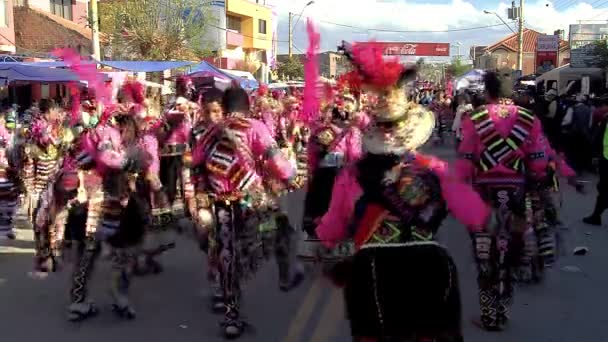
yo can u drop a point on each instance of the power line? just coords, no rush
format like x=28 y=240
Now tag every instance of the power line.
x=409 y=31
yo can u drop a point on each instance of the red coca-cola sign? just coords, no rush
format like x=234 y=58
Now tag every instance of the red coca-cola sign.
x=413 y=49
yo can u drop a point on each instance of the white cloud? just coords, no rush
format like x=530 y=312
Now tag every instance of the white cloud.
x=404 y=16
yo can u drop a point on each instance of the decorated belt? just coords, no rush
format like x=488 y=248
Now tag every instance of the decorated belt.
x=228 y=197
x=173 y=150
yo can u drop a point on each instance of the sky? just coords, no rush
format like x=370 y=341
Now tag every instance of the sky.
x=411 y=20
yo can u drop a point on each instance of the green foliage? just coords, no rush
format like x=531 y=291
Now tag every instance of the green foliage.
x=457 y=68
x=292 y=69
x=601 y=51
x=154 y=29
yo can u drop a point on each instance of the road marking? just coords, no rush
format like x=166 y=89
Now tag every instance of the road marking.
x=331 y=316
x=303 y=315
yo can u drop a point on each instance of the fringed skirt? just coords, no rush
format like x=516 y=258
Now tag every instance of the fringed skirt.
x=404 y=291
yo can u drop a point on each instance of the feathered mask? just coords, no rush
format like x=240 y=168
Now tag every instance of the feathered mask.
x=408 y=124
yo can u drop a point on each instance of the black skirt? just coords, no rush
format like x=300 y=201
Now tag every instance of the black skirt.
x=409 y=291
x=318 y=197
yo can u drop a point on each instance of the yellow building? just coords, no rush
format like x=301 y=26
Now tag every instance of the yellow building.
x=248 y=37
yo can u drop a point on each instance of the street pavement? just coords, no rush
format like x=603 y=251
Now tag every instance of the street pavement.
x=174 y=306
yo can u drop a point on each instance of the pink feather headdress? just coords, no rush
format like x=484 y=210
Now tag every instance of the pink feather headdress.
x=136 y=92
x=311 y=104
x=86 y=71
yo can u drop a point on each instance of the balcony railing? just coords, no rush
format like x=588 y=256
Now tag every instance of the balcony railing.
x=234 y=38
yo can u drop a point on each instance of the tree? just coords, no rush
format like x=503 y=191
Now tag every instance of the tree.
x=601 y=51
x=457 y=68
x=291 y=68
x=155 y=29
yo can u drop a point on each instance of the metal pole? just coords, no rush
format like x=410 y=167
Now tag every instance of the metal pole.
x=290 y=34
x=95 y=28
x=520 y=38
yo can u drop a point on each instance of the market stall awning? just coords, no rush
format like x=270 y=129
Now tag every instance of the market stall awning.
x=205 y=69
x=22 y=72
x=246 y=79
x=145 y=66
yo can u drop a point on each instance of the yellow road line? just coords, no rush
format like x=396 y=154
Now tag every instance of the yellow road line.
x=330 y=318
x=303 y=315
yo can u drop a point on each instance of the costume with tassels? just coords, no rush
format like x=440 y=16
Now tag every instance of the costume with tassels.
x=391 y=203
x=332 y=145
x=42 y=161
x=106 y=165
x=9 y=183
x=226 y=160
x=501 y=144
x=42 y=154
x=63 y=192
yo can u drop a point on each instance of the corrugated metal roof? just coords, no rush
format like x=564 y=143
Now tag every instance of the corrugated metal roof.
x=530 y=41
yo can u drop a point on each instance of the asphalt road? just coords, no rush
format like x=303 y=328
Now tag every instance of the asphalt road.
x=174 y=306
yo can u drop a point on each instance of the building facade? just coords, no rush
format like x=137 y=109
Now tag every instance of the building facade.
x=504 y=53
x=7 y=27
x=39 y=26
x=242 y=39
x=331 y=64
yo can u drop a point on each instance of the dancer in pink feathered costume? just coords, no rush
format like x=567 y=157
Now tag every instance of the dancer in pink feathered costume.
x=227 y=160
x=105 y=163
x=390 y=204
x=332 y=145
x=174 y=138
x=503 y=152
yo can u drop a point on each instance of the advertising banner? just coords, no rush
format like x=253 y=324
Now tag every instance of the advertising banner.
x=547 y=43
x=413 y=49
x=547 y=48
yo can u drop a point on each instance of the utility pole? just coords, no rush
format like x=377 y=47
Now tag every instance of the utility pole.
x=520 y=38
x=290 y=34
x=95 y=28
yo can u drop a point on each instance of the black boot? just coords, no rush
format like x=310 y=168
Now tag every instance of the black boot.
x=596 y=218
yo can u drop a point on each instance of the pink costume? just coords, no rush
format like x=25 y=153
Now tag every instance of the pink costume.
x=330 y=148
x=462 y=201
x=180 y=133
x=503 y=147
x=339 y=146
x=174 y=143
x=506 y=120
x=257 y=141
x=269 y=120
x=230 y=191
x=363 y=120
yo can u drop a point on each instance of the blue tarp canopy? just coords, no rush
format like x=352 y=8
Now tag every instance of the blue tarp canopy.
x=206 y=69
x=144 y=66
x=133 y=66
x=24 y=72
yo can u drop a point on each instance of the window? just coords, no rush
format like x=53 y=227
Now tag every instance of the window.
x=262 y=26
x=233 y=23
x=62 y=8
x=4 y=8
